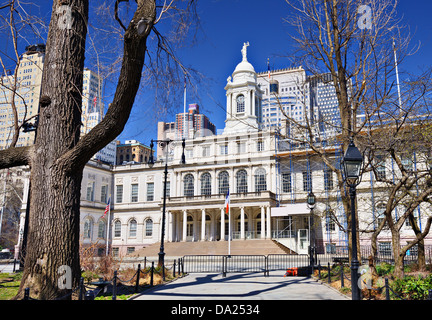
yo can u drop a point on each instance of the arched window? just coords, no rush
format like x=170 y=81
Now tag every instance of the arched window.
x=206 y=184
x=88 y=226
x=189 y=185
x=101 y=229
x=117 y=229
x=241 y=178
x=260 y=180
x=240 y=100
x=223 y=182
x=149 y=227
x=132 y=228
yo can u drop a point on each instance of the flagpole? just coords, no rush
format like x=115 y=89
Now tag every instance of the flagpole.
x=108 y=226
x=229 y=225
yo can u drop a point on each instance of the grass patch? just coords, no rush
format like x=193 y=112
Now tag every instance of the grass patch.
x=9 y=285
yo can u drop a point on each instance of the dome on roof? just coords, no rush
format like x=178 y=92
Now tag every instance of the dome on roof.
x=244 y=66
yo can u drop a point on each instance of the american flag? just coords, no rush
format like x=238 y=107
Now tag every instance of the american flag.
x=227 y=201
x=268 y=68
x=107 y=208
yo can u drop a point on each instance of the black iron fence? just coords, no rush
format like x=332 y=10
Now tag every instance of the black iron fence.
x=90 y=290
x=243 y=263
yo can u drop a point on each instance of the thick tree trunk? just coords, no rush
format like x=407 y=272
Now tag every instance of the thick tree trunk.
x=53 y=232
x=398 y=254
x=52 y=266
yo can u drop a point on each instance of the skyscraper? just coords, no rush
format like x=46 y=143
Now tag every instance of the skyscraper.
x=21 y=92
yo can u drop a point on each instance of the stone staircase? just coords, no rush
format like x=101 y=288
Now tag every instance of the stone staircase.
x=238 y=247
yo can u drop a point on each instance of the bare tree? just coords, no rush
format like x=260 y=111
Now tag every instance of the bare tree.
x=59 y=154
x=355 y=43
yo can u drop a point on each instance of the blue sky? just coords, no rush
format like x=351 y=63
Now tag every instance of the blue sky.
x=226 y=24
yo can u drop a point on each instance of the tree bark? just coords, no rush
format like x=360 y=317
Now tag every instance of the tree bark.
x=54 y=217
x=59 y=155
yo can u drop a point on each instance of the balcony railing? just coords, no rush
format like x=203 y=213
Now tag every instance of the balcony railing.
x=268 y=195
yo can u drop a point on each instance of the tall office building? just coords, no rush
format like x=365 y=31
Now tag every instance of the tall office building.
x=22 y=90
x=291 y=94
x=187 y=125
x=23 y=93
x=324 y=101
x=285 y=95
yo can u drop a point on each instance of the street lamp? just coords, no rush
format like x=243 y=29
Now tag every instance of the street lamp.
x=311 y=200
x=163 y=144
x=352 y=163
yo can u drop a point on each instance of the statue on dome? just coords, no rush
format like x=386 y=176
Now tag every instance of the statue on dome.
x=244 y=49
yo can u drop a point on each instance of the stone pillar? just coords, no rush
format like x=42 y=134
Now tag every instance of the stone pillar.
x=184 y=225
x=263 y=224
x=242 y=223
x=222 y=225
x=203 y=224
x=268 y=223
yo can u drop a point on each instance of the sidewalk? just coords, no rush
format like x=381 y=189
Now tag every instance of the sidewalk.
x=242 y=286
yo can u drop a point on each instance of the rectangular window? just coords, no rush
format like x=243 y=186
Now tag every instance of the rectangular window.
x=380 y=166
x=90 y=191
x=328 y=179
x=119 y=193
x=134 y=192
x=104 y=194
x=224 y=149
x=205 y=151
x=150 y=191
x=286 y=182
x=260 y=145
x=168 y=189
x=307 y=181
x=241 y=147
x=115 y=252
x=189 y=153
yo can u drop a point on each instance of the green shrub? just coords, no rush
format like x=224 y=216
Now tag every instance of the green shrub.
x=411 y=287
x=384 y=269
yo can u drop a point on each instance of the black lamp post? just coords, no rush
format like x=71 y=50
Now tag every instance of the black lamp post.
x=163 y=144
x=311 y=200
x=352 y=163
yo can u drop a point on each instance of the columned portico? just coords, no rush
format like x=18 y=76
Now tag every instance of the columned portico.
x=212 y=223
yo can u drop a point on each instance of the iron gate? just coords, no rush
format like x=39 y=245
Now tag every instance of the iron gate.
x=243 y=263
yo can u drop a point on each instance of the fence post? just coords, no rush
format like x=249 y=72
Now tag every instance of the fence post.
x=182 y=265
x=387 y=289
x=342 y=276
x=151 y=274
x=174 y=267
x=319 y=270
x=223 y=267
x=89 y=295
x=114 y=296
x=328 y=272
x=81 y=289
x=138 y=277
x=26 y=294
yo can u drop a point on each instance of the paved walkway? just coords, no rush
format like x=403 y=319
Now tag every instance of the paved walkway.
x=242 y=286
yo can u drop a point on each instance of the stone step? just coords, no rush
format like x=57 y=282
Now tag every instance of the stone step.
x=238 y=247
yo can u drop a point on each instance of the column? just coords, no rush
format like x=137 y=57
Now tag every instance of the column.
x=184 y=225
x=222 y=225
x=242 y=223
x=268 y=223
x=253 y=104
x=263 y=224
x=170 y=227
x=203 y=224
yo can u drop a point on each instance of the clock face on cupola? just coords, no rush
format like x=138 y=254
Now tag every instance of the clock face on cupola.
x=243 y=97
